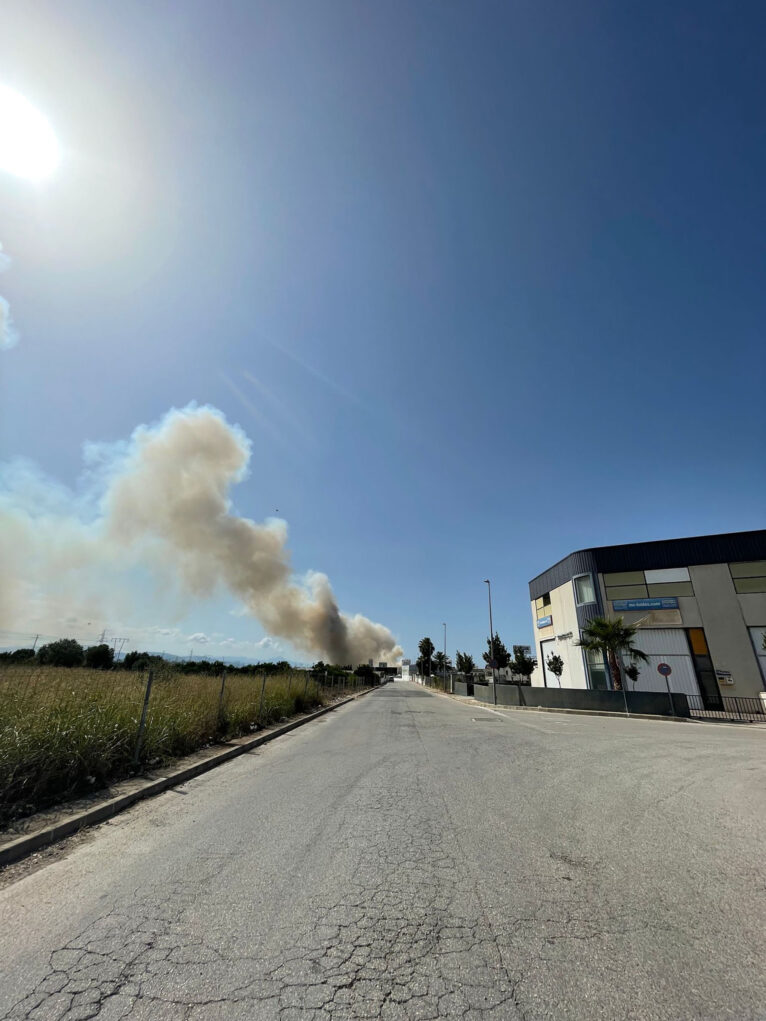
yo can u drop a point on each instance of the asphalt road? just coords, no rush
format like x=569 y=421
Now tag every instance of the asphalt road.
x=413 y=857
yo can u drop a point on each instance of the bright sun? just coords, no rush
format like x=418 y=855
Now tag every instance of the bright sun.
x=28 y=146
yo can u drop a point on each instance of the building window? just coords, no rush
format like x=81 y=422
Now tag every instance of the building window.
x=667 y=575
x=668 y=581
x=584 y=590
x=542 y=605
x=749 y=577
x=596 y=670
x=703 y=667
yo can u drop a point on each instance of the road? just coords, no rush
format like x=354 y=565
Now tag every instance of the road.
x=410 y=856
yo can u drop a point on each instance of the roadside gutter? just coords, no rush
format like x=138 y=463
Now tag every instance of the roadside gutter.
x=13 y=849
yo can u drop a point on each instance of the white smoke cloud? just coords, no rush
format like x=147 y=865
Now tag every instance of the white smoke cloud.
x=166 y=505
x=8 y=334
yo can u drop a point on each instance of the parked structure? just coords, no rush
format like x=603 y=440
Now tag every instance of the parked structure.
x=700 y=604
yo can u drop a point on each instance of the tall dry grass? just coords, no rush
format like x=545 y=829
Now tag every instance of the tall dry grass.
x=66 y=731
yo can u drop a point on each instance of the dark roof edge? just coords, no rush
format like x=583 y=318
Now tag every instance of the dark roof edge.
x=716 y=536
x=558 y=562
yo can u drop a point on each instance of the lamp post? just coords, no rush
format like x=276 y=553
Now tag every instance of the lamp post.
x=491 y=641
x=445 y=655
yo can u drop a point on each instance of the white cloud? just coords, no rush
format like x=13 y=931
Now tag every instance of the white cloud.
x=199 y=637
x=268 y=643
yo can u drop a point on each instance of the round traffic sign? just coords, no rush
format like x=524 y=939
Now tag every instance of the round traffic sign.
x=664 y=669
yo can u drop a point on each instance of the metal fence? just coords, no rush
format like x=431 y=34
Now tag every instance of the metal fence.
x=719 y=707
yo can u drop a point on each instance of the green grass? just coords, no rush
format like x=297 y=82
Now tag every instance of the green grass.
x=66 y=731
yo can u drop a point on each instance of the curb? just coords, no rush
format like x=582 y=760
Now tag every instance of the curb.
x=572 y=712
x=30 y=842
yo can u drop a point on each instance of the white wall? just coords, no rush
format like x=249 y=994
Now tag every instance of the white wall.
x=564 y=613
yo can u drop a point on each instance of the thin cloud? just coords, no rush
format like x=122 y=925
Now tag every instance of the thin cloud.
x=9 y=336
x=286 y=413
x=330 y=383
x=263 y=420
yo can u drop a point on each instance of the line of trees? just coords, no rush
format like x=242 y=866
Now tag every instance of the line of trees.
x=520 y=662
x=611 y=637
x=67 y=652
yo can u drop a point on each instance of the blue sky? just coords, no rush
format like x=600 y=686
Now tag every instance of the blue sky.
x=483 y=283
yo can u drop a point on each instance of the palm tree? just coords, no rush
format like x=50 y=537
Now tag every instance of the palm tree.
x=465 y=664
x=612 y=636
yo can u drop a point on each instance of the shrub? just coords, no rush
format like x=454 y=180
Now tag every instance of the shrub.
x=99 y=657
x=64 y=652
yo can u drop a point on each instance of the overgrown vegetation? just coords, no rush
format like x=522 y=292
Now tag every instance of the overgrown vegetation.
x=64 y=730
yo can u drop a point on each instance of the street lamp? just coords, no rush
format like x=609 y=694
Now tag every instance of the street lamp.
x=445 y=655
x=491 y=641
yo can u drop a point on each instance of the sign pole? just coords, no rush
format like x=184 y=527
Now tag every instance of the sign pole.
x=666 y=670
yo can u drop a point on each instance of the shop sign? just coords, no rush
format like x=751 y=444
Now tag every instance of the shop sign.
x=667 y=603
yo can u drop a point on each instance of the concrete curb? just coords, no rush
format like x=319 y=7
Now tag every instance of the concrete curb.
x=471 y=702
x=30 y=842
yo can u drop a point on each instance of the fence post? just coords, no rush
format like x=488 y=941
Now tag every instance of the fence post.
x=260 y=707
x=670 y=697
x=220 y=701
x=142 y=724
x=289 y=682
x=306 y=685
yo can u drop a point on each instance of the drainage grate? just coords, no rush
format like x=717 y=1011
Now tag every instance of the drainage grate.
x=486 y=719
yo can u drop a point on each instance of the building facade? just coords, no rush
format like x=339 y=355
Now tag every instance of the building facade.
x=699 y=603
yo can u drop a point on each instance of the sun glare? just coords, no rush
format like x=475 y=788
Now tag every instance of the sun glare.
x=28 y=146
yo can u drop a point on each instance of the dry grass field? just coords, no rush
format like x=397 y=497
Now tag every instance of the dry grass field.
x=65 y=731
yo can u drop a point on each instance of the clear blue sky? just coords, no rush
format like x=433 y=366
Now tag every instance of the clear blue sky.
x=497 y=268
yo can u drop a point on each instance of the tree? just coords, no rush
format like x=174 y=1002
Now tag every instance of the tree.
x=465 y=664
x=366 y=672
x=631 y=672
x=556 y=666
x=141 y=661
x=425 y=659
x=502 y=655
x=442 y=663
x=64 y=652
x=522 y=663
x=612 y=637
x=99 y=657
x=22 y=655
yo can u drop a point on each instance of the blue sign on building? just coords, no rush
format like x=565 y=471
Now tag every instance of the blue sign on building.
x=544 y=621
x=668 y=603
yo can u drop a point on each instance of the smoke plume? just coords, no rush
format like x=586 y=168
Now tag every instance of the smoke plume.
x=166 y=504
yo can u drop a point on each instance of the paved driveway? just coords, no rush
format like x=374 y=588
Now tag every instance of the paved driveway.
x=412 y=857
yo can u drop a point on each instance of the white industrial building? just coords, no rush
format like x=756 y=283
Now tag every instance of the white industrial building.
x=700 y=604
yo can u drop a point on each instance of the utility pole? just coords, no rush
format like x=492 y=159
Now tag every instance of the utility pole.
x=34 y=644
x=491 y=641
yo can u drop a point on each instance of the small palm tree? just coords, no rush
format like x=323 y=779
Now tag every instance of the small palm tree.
x=611 y=636
x=465 y=664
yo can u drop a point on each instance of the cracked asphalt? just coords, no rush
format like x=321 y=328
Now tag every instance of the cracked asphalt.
x=412 y=857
